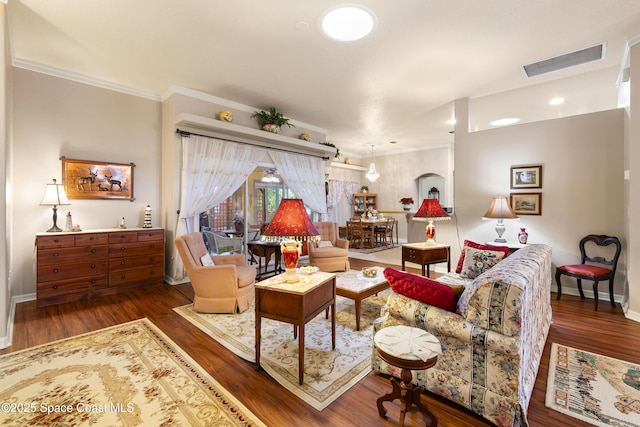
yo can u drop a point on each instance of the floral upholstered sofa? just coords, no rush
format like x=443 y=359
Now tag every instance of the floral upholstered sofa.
x=491 y=343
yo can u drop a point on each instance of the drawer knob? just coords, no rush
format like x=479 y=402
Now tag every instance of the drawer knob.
x=152 y=245
x=93 y=251
x=123 y=262
x=55 y=286
x=55 y=254
x=122 y=249
x=151 y=273
x=56 y=240
x=93 y=280
x=122 y=276
x=92 y=238
x=55 y=270
x=93 y=266
x=152 y=259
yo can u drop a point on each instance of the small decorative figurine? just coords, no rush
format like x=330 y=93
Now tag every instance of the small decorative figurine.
x=147 y=217
x=226 y=116
x=121 y=225
x=69 y=225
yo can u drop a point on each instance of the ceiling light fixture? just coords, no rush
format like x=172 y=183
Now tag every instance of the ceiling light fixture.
x=347 y=22
x=372 y=175
x=505 y=121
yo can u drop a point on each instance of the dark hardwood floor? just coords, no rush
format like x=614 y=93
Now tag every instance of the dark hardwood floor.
x=575 y=324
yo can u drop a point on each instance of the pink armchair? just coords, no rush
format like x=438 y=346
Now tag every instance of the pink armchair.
x=225 y=287
x=330 y=253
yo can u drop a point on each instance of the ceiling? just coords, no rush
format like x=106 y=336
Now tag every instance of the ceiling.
x=398 y=84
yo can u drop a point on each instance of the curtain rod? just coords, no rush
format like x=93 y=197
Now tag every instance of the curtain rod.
x=187 y=134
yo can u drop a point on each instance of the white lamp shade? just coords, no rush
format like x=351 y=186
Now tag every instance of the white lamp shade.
x=54 y=195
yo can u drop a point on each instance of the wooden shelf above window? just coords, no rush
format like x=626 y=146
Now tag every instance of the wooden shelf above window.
x=239 y=133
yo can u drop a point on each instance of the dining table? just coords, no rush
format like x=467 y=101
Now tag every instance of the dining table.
x=371 y=223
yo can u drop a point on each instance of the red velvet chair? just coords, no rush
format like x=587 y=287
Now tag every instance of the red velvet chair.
x=595 y=273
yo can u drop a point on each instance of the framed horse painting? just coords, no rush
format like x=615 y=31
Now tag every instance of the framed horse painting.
x=87 y=179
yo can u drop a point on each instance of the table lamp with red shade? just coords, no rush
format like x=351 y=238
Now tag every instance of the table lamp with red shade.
x=291 y=226
x=431 y=209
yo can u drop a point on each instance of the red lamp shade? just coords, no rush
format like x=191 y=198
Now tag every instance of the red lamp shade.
x=291 y=221
x=431 y=209
x=290 y=226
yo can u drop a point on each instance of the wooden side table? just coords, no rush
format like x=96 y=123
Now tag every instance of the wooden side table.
x=296 y=303
x=265 y=250
x=425 y=255
x=398 y=345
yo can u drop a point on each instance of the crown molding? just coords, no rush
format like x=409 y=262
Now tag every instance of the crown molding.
x=84 y=79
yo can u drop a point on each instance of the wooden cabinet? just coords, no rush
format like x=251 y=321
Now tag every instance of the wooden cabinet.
x=364 y=201
x=73 y=266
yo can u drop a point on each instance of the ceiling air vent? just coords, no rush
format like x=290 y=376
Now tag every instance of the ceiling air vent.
x=567 y=60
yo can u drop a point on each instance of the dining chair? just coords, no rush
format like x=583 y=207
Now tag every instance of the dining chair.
x=589 y=254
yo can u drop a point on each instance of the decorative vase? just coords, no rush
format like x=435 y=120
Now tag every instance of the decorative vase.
x=406 y=207
x=523 y=236
x=226 y=116
x=270 y=127
x=291 y=250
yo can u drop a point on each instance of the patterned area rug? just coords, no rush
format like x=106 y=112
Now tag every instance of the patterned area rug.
x=596 y=389
x=130 y=374
x=327 y=373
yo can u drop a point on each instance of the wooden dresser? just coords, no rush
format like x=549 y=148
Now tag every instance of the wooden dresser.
x=79 y=265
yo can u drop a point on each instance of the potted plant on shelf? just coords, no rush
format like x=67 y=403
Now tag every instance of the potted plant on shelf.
x=364 y=189
x=272 y=120
x=406 y=203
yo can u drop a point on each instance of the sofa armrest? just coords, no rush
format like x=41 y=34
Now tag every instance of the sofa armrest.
x=342 y=243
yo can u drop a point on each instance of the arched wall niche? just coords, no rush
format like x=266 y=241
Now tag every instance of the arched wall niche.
x=432 y=185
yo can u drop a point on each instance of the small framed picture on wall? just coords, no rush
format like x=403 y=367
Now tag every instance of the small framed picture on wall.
x=526 y=177
x=526 y=203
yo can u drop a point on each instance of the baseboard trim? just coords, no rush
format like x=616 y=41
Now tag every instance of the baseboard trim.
x=7 y=340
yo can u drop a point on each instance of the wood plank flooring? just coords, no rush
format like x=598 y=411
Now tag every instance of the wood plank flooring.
x=575 y=324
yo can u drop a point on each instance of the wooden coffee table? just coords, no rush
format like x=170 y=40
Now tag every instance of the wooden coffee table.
x=296 y=303
x=354 y=285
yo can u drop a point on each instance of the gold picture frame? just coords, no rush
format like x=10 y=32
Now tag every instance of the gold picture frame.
x=526 y=203
x=88 y=179
x=526 y=177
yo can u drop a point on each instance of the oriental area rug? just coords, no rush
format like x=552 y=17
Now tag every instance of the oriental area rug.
x=596 y=389
x=327 y=373
x=130 y=374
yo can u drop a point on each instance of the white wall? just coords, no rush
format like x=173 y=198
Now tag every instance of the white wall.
x=53 y=117
x=5 y=236
x=582 y=182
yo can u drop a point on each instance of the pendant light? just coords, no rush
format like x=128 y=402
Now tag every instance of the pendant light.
x=372 y=175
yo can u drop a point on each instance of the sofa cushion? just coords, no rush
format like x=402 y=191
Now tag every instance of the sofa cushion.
x=206 y=260
x=478 y=261
x=325 y=244
x=420 y=288
x=470 y=244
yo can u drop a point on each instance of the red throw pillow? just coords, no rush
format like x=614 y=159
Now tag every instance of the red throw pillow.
x=482 y=247
x=420 y=288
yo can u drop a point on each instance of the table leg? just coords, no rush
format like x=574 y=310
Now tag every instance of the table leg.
x=333 y=324
x=402 y=264
x=258 y=327
x=358 y=307
x=301 y=354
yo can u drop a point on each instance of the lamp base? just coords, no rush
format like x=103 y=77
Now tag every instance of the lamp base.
x=290 y=275
x=500 y=240
x=54 y=229
x=430 y=242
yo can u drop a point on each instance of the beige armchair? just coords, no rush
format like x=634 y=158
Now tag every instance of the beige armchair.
x=226 y=287
x=330 y=253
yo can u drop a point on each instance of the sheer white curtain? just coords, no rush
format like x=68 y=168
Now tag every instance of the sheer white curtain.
x=350 y=188
x=212 y=170
x=304 y=175
x=334 y=197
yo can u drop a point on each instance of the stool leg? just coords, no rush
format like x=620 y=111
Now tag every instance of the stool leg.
x=389 y=397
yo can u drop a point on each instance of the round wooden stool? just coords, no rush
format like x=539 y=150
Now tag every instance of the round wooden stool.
x=408 y=349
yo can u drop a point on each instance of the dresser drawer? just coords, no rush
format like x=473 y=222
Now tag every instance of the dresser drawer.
x=48 y=273
x=151 y=236
x=411 y=255
x=44 y=242
x=132 y=276
x=133 y=249
x=123 y=236
x=72 y=255
x=92 y=239
x=138 y=261
x=71 y=286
